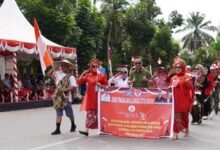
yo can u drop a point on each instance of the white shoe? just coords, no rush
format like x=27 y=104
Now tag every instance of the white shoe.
x=211 y=115
x=205 y=117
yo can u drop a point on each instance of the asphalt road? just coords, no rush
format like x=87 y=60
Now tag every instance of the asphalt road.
x=30 y=130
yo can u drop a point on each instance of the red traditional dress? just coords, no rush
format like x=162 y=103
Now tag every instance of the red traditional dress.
x=183 y=99
x=90 y=100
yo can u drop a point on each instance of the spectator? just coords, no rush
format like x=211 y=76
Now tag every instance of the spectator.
x=41 y=87
x=33 y=87
x=8 y=90
x=1 y=90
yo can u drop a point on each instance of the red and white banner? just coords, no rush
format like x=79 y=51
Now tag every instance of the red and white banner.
x=140 y=113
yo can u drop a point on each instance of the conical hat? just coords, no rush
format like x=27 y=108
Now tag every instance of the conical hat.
x=64 y=63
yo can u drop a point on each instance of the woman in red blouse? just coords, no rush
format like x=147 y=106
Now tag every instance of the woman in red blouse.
x=183 y=98
x=94 y=79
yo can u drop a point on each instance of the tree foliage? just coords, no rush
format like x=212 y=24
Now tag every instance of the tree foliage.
x=55 y=18
x=175 y=19
x=129 y=30
x=140 y=27
x=92 y=24
x=197 y=37
x=162 y=46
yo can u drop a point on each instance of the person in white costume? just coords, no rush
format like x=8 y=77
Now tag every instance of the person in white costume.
x=120 y=79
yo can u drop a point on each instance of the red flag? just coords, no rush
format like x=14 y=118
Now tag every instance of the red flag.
x=45 y=58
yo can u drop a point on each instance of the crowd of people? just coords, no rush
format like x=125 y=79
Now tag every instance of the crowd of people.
x=29 y=88
x=195 y=90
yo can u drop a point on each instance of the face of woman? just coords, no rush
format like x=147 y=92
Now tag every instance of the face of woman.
x=95 y=66
x=124 y=74
x=178 y=69
x=198 y=70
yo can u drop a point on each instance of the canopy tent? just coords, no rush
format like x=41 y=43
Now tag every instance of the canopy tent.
x=17 y=34
x=17 y=39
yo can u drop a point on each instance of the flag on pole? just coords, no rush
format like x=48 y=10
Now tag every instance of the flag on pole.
x=109 y=53
x=45 y=58
x=159 y=61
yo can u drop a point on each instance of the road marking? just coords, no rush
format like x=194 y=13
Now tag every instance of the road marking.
x=54 y=144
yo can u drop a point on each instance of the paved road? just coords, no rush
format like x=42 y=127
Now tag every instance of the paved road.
x=30 y=130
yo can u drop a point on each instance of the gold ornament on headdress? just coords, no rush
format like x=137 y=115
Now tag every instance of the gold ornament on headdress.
x=178 y=59
x=95 y=61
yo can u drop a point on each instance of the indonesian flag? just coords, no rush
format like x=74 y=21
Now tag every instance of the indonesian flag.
x=45 y=58
x=159 y=61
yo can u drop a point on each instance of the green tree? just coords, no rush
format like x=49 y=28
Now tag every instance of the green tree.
x=164 y=47
x=92 y=24
x=175 y=19
x=56 y=19
x=188 y=57
x=216 y=45
x=140 y=26
x=205 y=55
x=198 y=36
x=218 y=29
x=113 y=11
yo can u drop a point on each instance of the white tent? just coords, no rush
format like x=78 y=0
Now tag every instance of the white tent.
x=17 y=34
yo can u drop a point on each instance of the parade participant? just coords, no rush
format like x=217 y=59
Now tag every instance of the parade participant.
x=160 y=78
x=120 y=79
x=215 y=93
x=200 y=85
x=183 y=98
x=139 y=77
x=94 y=79
x=188 y=69
x=65 y=85
x=208 y=92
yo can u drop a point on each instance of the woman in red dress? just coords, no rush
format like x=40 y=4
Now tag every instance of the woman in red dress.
x=183 y=98
x=94 y=79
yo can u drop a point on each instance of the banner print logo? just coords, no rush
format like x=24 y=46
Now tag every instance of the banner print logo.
x=131 y=108
x=137 y=93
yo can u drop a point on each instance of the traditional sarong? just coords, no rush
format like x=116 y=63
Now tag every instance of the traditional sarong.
x=59 y=98
x=91 y=119
x=181 y=121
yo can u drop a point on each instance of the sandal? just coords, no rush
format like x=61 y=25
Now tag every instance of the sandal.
x=175 y=136
x=186 y=133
